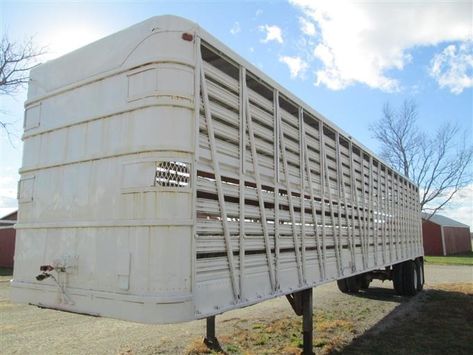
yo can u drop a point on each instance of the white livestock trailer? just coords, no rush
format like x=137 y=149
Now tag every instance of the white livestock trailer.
x=166 y=179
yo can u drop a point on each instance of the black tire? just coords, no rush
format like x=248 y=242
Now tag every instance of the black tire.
x=365 y=282
x=342 y=285
x=354 y=284
x=397 y=278
x=410 y=278
x=420 y=274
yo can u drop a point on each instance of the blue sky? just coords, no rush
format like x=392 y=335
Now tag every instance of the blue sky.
x=345 y=59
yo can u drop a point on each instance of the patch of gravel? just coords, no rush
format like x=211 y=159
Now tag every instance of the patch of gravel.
x=28 y=329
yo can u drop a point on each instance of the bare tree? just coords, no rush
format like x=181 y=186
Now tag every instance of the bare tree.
x=16 y=60
x=440 y=165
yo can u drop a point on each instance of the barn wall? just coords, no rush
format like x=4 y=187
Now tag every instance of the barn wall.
x=7 y=247
x=7 y=242
x=432 y=238
x=457 y=240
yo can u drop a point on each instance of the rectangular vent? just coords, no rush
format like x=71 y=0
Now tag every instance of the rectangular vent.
x=172 y=174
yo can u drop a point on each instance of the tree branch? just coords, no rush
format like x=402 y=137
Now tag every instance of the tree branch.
x=438 y=165
x=16 y=60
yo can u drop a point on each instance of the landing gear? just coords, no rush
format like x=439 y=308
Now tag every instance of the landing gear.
x=210 y=339
x=307 y=316
x=301 y=303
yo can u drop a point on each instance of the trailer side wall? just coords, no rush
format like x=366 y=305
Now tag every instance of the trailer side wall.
x=284 y=200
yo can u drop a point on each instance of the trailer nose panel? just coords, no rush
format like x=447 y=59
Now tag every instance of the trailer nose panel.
x=106 y=189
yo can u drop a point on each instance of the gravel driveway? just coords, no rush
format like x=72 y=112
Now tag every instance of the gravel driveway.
x=28 y=329
x=435 y=274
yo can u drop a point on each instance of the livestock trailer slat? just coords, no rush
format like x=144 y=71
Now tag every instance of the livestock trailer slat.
x=191 y=184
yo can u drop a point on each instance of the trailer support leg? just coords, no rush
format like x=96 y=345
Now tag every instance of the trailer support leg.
x=307 y=327
x=210 y=339
x=301 y=303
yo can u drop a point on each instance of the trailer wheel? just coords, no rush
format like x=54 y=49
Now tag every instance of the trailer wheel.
x=343 y=286
x=397 y=278
x=420 y=274
x=354 y=284
x=410 y=278
x=365 y=282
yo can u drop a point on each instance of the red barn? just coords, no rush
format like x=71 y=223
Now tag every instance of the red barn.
x=7 y=239
x=445 y=236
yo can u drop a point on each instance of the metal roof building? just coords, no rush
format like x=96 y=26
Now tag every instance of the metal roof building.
x=444 y=236
x=7 y=239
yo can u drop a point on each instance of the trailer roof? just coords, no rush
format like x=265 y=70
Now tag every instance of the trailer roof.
x=111 y=52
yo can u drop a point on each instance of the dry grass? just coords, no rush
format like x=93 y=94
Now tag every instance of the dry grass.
x=281 y=336
x=438 y=321
x=466 y=288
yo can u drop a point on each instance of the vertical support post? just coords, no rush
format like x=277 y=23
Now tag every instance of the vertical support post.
x=259 y=192
x=302 y=192
x=420 y=246
x=313 y=207
x=210 y=339
x=365 y=238
x=218 y=181
x=307 y=328
x=442 y=235
x=339 y=173
x=395 y=216
x=371 y=215
x=332 y=214
x=210 y=328
x=242 y=119
x=289 y=194
x=322 y=192
x=196 y=149
x=277 y=158
x=354 y=201
x=343 y=193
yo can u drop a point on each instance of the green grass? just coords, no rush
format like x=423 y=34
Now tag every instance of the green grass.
x=460 y=259
x=4 y=271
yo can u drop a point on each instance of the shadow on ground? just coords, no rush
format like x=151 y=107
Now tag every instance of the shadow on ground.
x=380 y=294
x=437 y=321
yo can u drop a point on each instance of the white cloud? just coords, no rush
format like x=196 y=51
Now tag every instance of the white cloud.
x=297 y=66
x=8 y=202
x=460 y=207
x=361 y=41
x=453 y=67
x=235 y=28
x=307 y=27
x=272 y=33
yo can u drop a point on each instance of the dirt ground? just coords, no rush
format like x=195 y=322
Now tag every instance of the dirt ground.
x=30 y=330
